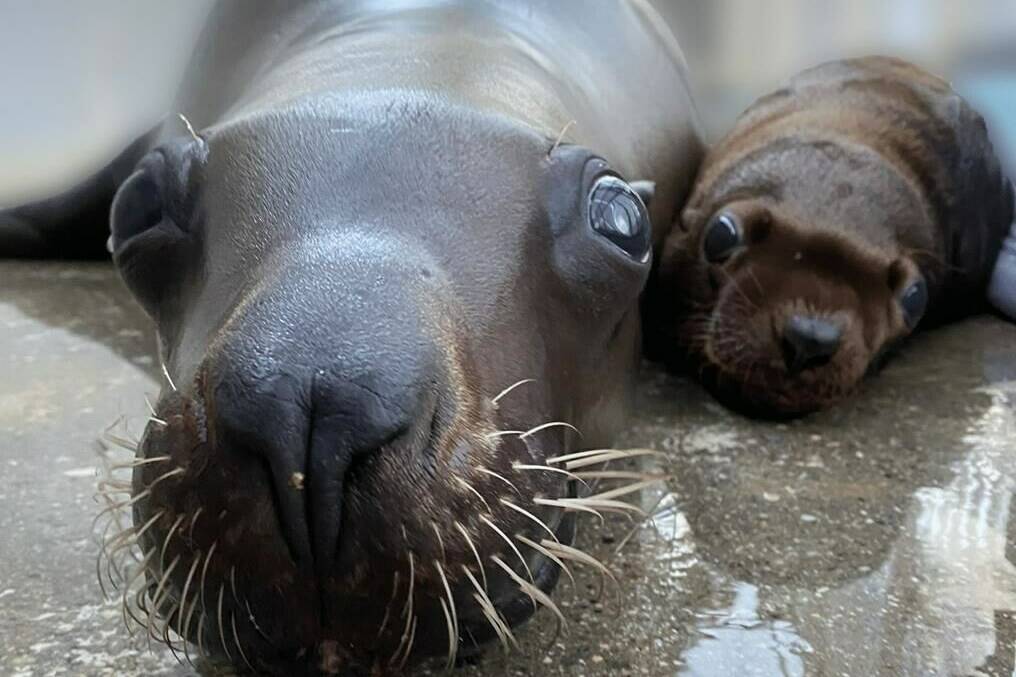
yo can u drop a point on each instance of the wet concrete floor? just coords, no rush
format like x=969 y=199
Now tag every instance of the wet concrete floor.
x=874 y=539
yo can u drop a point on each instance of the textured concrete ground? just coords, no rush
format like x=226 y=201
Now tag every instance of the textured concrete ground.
x=875 y=539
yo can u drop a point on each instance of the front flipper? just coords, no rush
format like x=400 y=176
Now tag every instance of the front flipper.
x=74 y=224
x=1002 y=288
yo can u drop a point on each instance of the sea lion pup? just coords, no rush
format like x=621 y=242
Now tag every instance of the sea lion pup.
x=860 y=201
x=393 y=266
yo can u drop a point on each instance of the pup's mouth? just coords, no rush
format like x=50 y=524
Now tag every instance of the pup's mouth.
x=747 y=364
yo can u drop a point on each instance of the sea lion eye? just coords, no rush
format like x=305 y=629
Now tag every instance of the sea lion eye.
x=723 y=236
x=617 y=213
x=914 y=302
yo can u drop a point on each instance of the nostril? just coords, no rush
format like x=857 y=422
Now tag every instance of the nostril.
x=809 y=342
x=351 y=419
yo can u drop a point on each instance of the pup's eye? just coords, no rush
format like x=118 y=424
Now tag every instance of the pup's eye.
x=617 y=213
x=136 y=208
x=914 y=301
x=723 y=236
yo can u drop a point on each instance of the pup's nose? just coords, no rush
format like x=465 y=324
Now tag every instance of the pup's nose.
x=809 y=342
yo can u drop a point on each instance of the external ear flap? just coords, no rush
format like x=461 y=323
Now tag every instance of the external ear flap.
x=645 y=189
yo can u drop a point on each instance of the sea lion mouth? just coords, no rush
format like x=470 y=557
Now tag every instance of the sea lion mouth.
x=442 y=561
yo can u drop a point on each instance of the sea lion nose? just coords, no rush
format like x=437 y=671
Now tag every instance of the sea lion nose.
x=351 y=419
x=314 y=377
x=809 y=342
x=312 y=427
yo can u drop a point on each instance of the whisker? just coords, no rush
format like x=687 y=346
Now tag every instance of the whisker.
x=157 y=599
x=504 y=433
x=222 y=632
x=453 y=629
x=547 y=468
x=625 y=490
x=546 y=426
x=621 y=475
x=193 y=606
x=510 y=543
x=472 y=489
x=510 y=388
x=407 y=613
x=388 y=608
x=534 y=593
x=236 y=638
x=154 y=417
x=125 y=606
x=576 y=555
x=549 y=555
x=593 y=502
x=558 y=503
x=531 y=516
x=451 y=634
x=611 y=455
x=440 y=541
x=169 y=535
x=140 y=462
x=472 y=546
x=169 y=379
x=409 y=645
x=504 y=479
x=501 y=628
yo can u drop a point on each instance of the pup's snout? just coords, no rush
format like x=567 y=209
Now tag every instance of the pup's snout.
x=809 y=342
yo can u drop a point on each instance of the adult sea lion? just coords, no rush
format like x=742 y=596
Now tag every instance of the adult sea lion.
x=392 y=265
x=858 y=202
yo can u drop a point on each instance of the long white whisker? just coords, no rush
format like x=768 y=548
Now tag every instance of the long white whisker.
x=453 y=629
x=559 y=503
x=169 y=379
x=596 y=456
x=472 y=546
x=531 y=516
x=510 y=543
x=548 y=554
x=491 y=614
x=531 y=590
x=510 y=388
x=547 y=468
x=546 y=426
x=504 y=479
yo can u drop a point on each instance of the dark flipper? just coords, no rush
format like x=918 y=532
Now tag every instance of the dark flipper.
x=74 y=224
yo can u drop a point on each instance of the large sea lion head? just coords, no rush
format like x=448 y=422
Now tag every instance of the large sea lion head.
x=780 y=316
x=380 y=324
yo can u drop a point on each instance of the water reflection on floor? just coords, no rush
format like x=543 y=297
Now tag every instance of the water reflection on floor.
x=875 y=539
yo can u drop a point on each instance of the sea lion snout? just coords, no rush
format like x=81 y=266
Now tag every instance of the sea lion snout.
x=809 y=342
x=319 y=405
x=783 y=318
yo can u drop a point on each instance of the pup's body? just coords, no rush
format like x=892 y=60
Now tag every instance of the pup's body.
x=842 y=210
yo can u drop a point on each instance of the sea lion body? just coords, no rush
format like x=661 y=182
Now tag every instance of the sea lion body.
x=859 y=184
x=392 y=267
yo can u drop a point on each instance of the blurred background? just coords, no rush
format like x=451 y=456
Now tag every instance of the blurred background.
x=740 y=49
x=78 y=80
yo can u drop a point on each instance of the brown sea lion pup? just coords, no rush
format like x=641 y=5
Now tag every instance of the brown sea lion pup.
x=860 y=201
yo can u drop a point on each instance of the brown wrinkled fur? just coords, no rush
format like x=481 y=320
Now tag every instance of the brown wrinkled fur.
x=850 y=182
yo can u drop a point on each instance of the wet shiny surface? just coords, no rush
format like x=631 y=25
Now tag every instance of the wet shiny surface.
x=875 y=539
